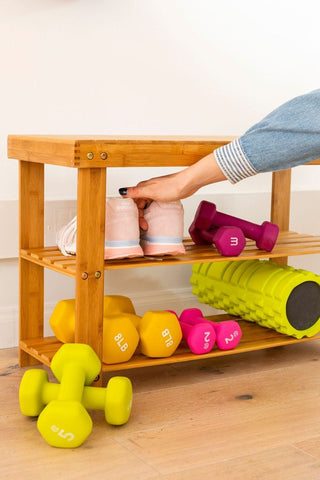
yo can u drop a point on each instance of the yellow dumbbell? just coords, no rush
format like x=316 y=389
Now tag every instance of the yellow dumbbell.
x=115 y=400
x=160 y=333
x=120 y=337
x=64 y=422
x=63 y=317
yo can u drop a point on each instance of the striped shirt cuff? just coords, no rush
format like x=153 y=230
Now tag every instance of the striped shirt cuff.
x=233 y=162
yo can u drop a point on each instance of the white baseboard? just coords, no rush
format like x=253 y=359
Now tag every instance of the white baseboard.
x=175 y=300
x=9 y=327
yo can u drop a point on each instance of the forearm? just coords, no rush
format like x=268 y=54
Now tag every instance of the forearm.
x=287 y=137
x=201 y=173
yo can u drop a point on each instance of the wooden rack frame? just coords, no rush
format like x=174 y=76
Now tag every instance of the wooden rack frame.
x=92 y=156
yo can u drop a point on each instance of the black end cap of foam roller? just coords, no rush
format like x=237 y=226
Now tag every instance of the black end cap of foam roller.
x=303 y=305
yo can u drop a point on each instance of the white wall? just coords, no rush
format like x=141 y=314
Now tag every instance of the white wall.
x=145 y=67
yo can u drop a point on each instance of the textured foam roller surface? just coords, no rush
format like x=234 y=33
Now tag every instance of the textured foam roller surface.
x=274 y=296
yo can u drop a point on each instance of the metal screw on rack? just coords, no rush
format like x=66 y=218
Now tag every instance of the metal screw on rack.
x=103 y=155
x=90 y=155
x=84 y=275
x=97 y=274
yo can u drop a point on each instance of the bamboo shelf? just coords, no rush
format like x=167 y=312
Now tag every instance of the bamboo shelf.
x=92 y=156
x=288 y=244
x=253 y=338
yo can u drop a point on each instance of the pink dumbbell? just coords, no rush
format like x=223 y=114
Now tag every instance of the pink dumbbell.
x=206 y=217
x=228 y=333
x=229 y=241
x=200 y=337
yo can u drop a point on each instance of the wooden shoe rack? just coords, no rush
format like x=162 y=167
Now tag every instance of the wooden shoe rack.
x=92 y=156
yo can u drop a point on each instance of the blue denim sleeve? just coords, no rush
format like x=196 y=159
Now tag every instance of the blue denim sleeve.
x=287 y=137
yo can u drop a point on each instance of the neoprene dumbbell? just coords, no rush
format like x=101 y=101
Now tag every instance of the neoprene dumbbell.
x=65 y=422
x=160 y=333
x=120 y=337
x=63 y=317
x=229 y=241
x=200 y=337
x=228 y=333
x=206 y=217
x=115 y=400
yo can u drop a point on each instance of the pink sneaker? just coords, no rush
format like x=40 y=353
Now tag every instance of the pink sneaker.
x=66 y=238
x=165 y=229
x=122 y=229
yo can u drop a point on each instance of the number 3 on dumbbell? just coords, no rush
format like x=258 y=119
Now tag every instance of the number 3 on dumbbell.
x=119 y=339
x=168 y=341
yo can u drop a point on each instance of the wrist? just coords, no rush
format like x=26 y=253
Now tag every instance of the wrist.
x=203 y=172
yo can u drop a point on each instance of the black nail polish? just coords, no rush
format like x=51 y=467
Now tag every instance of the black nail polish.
x=123 y=191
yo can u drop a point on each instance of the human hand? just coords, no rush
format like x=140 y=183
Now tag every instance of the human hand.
x=176 y=186
x=167 y=188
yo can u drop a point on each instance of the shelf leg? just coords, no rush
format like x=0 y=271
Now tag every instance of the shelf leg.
x=90 y=257
x=280 y=204
x=31 y=235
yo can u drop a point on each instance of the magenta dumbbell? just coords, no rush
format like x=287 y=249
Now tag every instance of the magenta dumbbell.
x=206 y=217
x=228 y=333
x=200 y=337
x=229 y=241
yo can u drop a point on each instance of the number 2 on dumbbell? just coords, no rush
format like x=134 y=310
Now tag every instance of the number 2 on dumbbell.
x=233 y=336
x=119 y=339
x=207 y=340
x=168 y=341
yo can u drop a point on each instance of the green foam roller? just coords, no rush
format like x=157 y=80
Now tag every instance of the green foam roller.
x=274 y=296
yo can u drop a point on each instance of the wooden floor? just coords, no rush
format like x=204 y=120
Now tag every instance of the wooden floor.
x=248 y=416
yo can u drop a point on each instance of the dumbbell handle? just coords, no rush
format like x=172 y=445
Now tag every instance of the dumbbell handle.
x=72 y=383
x=197 y=320
x=92 y=398
x=209 y=235
x=251 y=230
x=193 y=316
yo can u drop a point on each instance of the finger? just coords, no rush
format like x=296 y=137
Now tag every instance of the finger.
x=142 y=222
x=132 y=192
x=142 y=203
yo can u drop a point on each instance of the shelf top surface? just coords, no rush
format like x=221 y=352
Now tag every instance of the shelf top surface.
x=288 y=244
x=92 y=151
x=122 y=139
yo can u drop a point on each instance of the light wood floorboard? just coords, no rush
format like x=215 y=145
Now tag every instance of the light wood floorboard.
x=246 y=416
